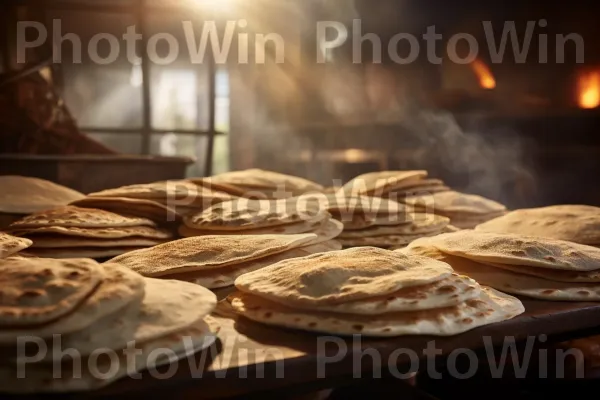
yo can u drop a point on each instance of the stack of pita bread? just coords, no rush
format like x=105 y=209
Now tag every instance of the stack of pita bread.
x=379 y=222
x=369 y=291
x=465 y=211
x=22 y=196
x=216 y=261
x=96 y=312
x=573 y=223
x=180 y=197
x=541 y=268
x=260 y=184
x=394 y=185
x=73 y=232
x=258 y=217
x=426 y=195
x=11 y=245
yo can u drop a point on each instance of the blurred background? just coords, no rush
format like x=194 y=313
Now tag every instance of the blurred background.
x=522 y=131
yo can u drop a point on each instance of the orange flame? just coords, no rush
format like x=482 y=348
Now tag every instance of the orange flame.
x=588 y=94
x=485 y=76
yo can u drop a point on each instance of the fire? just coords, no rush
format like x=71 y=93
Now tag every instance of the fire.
x=485 y=76
x=588 y=94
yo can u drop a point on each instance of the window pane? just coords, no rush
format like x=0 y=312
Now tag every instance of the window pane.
x=98 y=95
x=194 y=146
x=124 y=143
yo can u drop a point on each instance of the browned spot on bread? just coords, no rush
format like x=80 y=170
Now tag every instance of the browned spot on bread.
x=467 y=321
x=312 y=325
x=358 y=327
x=549 y=291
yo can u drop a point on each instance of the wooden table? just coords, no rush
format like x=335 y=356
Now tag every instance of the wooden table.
x=294 y=359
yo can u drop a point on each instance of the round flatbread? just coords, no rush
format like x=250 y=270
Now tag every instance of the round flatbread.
x=71 y=216
x=288 y=229
x=245 y=214
x=553 y=274
x=382 y=241
x=168 y=306
x=491 y=307
x=99 y=253
x=64 y=242
x=378 y=182
x=26 y=195
x=518 y=250
x=225 y=277
x=525 y=285
x=10 y=245
x=131 y=207
x=97 y=233
x=445 y=293
x=574 y=223
x=455 y=202
x=119 y=288
x=37 y=291
x=421 y=224
x=262 y=179
x=341 y=276
x=208 y=252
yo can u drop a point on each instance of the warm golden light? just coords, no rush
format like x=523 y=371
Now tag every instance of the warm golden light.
x=588 y=93
x=485 y=76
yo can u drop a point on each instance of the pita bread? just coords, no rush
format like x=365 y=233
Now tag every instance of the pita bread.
x=553 y=274
x=224 y=277
x=416 y=184
x=176 y=190
x=490 y=307
x=420 y=225
x=253 y=214
x=81 y=252
x=358 y=223
x=35 y=291
x=119 y=288
x=218 y=186
x=341 y=276
x=574 y=223
x=208 y=252
x=40 y=377
x=64 y=242
x=97 y=233
x=10 y=245
x=26 y=195
x=262 y=179
x=455 y=202
x=418 y=191
x=445 y=293
x=331 y=245
x=518 y=250
x=525 y=285
x=342 y=204
x=167 y=307
x=71 y=216
x=130 y=207
x=288 y=229
x=379 y=182
x=382 y=241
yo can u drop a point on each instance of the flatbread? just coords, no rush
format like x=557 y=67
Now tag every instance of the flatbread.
x=553 y=274
x=119 y=288
x=378 y=182
x=79 y=252
x=40 y=377
x=382 y=241
x=176 y=190
x=27 y=195
x=420 y=225
x=10 y=245
x=525 y=285
x=415 y=184
x=288 y=229
x=263 y=179
x=253 y=214
x=97 y=233
x=360 y=222
x=518 y=250
x=64 y=242
x=131 y=207
x=492 y=306
x=167 y=307
x=224 y=277
x=208 y=252
x=218 y=186
x=35 y=291
x=574 y=223
x=341 y=276
x=455 y=202
x=340 y=203
x=448 y=292
x=71 y=216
